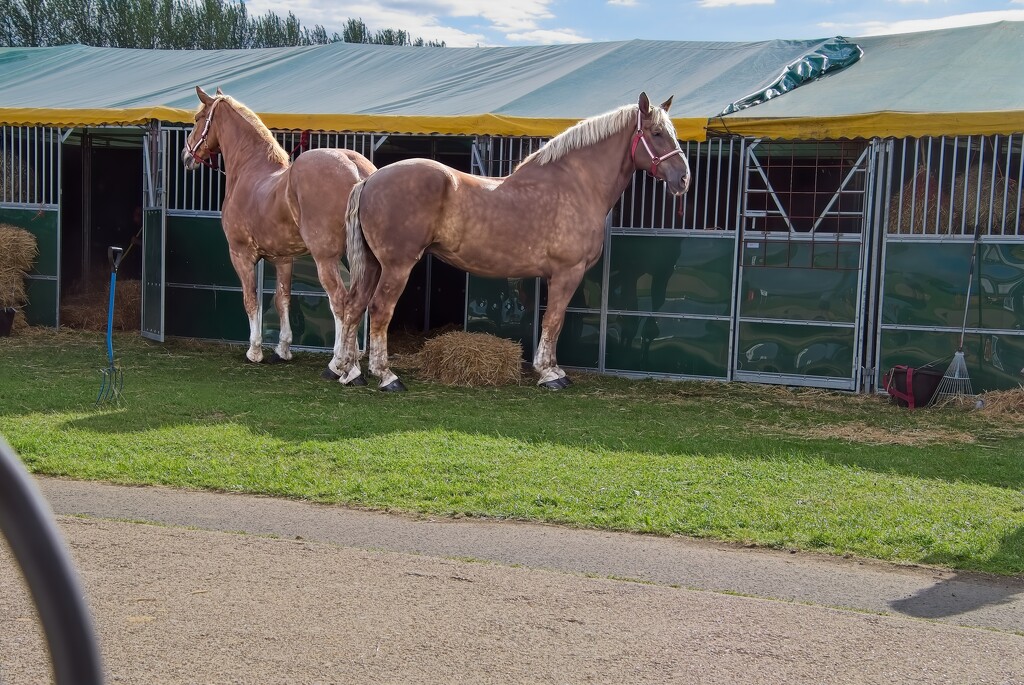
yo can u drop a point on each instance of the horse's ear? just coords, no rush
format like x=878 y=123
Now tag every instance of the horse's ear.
x=221 y=92
x=644 y=104
x=203 y=97
x=668 y=103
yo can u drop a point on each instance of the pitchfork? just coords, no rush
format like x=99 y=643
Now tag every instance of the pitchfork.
x=112 y=379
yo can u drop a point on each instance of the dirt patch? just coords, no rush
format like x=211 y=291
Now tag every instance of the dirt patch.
x=873 y=435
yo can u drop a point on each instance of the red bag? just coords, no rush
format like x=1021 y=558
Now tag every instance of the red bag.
x=912 y=387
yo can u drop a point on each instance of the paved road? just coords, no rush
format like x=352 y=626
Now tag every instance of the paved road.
x=313 y=593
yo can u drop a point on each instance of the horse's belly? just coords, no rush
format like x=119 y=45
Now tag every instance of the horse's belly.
x=523 y=262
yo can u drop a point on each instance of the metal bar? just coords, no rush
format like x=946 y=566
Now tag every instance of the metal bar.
x=842 y=186
x=952 y=188
x=939 y=175
x=981 y=173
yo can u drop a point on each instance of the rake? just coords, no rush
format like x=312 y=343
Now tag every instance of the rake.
x=956 y=383
x=111 y=377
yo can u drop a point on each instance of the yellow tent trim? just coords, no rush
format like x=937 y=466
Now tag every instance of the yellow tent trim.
x=476 y=124
x=872 y=125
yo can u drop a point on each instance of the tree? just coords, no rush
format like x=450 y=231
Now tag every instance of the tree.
x=171 y=24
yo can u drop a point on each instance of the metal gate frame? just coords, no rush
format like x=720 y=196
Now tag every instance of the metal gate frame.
x=155 y=145
x=866 y=164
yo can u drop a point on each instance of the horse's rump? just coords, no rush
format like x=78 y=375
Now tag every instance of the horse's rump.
x=319 y=183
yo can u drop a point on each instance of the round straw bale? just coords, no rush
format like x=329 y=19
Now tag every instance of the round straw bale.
x=471 y=359
x=978 y=200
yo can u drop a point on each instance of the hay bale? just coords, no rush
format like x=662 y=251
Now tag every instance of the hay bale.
x=18 y=248
x=471 y=359
x=921 y=206
x=12 y=288
x=87 y=308
x=16 y=179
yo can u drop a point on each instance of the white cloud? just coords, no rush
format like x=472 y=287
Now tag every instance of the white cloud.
x=430 y=19
x=731 y=3
x=545 y=37
x=634 y=3
x=882 y=28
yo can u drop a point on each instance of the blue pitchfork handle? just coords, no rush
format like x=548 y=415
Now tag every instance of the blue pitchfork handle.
x=114 y=254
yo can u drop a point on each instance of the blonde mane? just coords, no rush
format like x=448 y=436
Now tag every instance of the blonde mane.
x=593 y=130
x=275 y=153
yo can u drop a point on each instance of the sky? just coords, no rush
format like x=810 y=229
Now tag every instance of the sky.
x=469 y=23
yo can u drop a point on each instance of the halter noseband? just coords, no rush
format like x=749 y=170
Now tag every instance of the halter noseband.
x=193 y=151
x=638 y=137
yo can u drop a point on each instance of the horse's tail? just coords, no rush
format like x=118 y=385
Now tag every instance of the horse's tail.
x=357 y=249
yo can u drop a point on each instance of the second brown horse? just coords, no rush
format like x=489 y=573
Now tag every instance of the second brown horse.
x=546 y=219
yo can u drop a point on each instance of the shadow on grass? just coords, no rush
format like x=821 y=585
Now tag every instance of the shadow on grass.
x=180 y=384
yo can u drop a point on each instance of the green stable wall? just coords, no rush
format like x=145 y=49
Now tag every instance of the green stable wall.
x=43 y=284
x=669 y=304
x=924 y=295
x=204 y=296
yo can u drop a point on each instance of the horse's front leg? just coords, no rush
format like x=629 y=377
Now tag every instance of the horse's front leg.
x=560 y=290
x=282 y=302
x=245 y=267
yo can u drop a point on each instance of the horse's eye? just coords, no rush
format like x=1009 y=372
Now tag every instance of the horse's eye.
x=656 y=132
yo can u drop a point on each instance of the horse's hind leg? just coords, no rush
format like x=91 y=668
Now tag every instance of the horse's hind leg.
x=282 y=302
x=382 y=308
x=329 y=270
x=359 y=295
x=245 y=268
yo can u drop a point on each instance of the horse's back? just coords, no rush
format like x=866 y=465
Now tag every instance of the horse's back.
x=427 y=189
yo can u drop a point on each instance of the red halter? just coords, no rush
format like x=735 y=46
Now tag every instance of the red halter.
x=638 y=137
x=193 y=151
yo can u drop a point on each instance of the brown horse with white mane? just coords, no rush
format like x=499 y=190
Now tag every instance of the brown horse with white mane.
x=276 y=209
x=545 y=219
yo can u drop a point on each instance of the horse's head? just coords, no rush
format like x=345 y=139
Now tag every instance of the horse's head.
x=655 y=149
x=202 y=143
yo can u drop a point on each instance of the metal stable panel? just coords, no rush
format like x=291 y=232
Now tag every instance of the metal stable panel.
x=800 y=288
x=671 y=270
x=30 y=178
x=937 y=192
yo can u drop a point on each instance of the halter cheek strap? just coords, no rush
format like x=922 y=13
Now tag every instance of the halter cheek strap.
x=193 y=151
x=638 y=137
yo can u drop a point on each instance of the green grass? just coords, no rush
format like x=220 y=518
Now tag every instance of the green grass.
x=750 y=464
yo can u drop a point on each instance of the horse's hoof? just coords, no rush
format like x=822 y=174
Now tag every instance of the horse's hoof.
x=394 y=386
x=274 y=358
x=555 y=384
x=359 y=382
x=329 y=375
x=564 y=380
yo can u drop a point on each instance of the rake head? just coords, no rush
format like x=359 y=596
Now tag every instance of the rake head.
x=955 y=382
x=111 y=383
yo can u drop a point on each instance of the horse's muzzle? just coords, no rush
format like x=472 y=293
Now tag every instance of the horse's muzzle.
x=188 y=160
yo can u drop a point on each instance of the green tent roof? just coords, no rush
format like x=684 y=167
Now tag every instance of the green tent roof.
x=973 y=73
